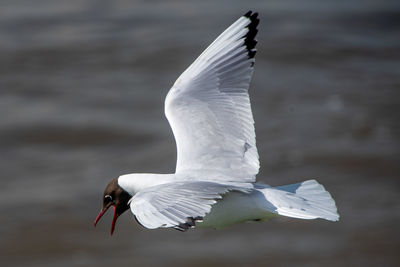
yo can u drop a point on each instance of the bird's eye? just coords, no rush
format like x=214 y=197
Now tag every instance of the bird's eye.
x=108 y=198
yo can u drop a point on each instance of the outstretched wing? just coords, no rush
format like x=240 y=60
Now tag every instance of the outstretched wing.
x=178 y=204
x=209 y=109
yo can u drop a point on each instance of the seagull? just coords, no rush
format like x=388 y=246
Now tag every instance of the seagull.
x=214 y=184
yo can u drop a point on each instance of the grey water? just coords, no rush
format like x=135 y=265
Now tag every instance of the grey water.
x=82 y=86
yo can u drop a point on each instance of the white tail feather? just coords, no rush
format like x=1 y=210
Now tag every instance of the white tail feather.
x=305 y=200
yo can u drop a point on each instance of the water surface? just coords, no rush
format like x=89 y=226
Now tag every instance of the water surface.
x=82 y=85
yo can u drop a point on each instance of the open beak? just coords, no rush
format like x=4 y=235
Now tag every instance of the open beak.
x=102 y=212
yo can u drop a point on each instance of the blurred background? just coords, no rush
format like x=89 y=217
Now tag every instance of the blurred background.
x=82 y=88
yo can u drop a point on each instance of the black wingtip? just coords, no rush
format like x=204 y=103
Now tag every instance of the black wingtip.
x=250 y=41
x=190 y=223
x=248 y=13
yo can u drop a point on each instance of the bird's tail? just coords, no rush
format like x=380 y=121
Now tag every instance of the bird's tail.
x=305 y=200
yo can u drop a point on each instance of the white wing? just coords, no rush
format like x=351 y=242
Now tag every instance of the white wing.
x=209 y=110
x=177 y=204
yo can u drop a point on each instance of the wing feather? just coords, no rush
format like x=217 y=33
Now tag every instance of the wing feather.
x=177 y=204
x=209 y=109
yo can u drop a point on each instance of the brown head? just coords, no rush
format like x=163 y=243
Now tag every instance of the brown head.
x=114 y=196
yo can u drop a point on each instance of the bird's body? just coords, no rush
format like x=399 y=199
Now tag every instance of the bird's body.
x=243 y=202
x=214 y=184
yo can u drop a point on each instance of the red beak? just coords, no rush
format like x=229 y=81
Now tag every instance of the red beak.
x=102 y=212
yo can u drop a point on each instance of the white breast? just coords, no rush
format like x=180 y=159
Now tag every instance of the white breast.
x=237 y=207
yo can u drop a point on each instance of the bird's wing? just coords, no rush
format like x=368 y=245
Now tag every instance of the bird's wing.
x=177 y=204
x=209 y=109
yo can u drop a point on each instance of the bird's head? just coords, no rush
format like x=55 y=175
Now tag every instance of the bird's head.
x=114 y=196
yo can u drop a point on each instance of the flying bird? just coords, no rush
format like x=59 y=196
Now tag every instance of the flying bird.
x=214 y=185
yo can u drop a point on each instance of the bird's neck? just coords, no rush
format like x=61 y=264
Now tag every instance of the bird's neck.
x=135 y=182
